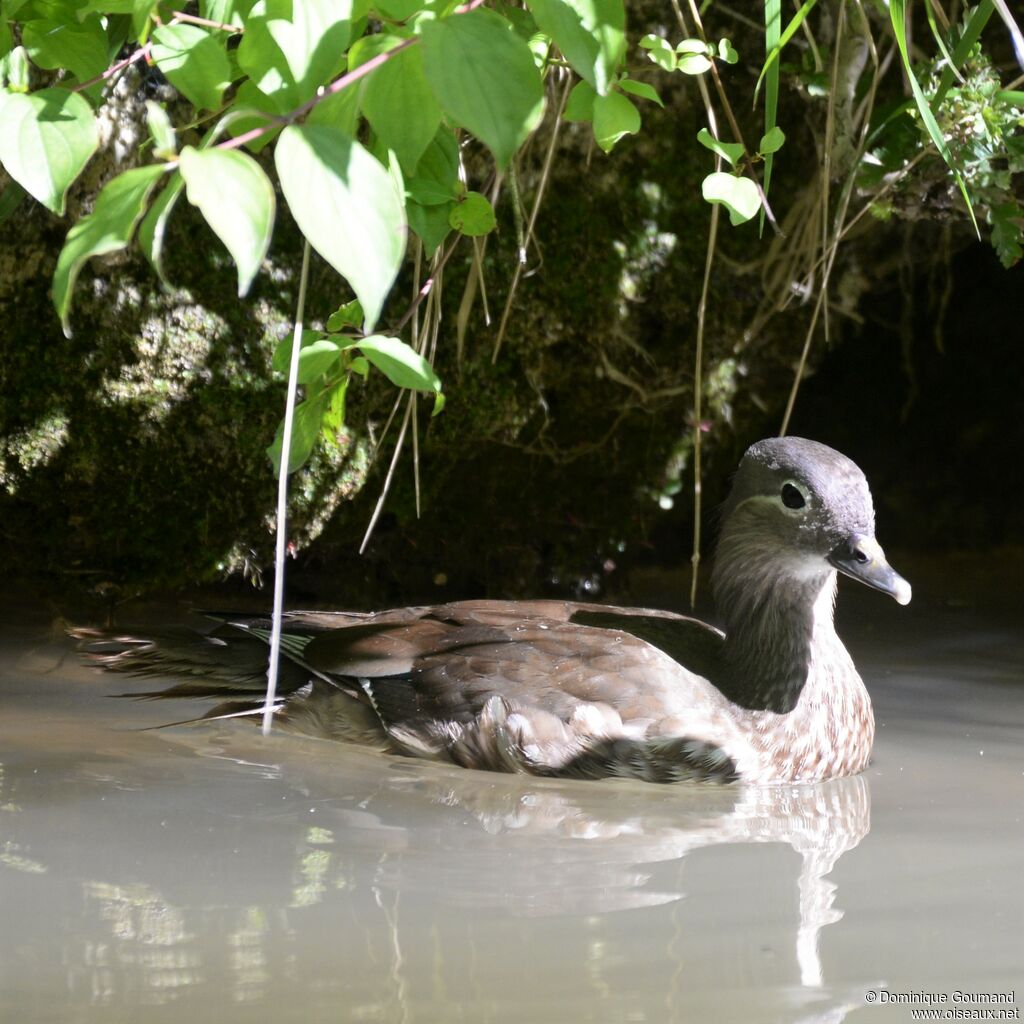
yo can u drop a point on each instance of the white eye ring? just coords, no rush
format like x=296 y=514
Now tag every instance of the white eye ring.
x=794 y=496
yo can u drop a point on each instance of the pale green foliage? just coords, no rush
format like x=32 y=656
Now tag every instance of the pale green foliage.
x=737 y=194
x=46 y=138
x=363 y=106
x=484 y=76
x=473 y=215
x=108 y=228
x=348 y=206
x=237 y=200
x=590 y=33
x=326 y=362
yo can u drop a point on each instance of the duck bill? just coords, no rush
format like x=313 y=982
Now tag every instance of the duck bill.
x=862 y=558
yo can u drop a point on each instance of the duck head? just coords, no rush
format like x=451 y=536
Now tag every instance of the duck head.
x=798 y=510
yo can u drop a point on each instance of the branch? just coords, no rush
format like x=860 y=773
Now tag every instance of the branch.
x=142 y=51
x=330 y=90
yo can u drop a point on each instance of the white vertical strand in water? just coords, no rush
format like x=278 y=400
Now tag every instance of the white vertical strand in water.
x=282 y=499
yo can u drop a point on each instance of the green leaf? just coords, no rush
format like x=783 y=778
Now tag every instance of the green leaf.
x=102 y=7
x=333 y=418
x=693 y=57
x=165 y=140
x=80 y=47
x=772 y=141
x=401 y=364
x=153 y=228
x=426 y=192
x=641 y=89
x=348 y=315
x=614 y=116
x=237 y=200
x=730 y=151
x=108 y=228
x=340 y=110
x=1007 y=221
x=787 y=34
x=580 y=105
x=306 y=421
x=195 y=63
x=317 y=359
x=290 y=49
x=590 y=33
x=660 y=51
x=738 y=195
x=432 y=190
x=473 y=215
x=14 y=70
x=726 y=52
x=974 y=22
x=772 y=29
x=281 y=360
x=226 y=12
x=317 y=354
x=46 y=138
x=897 y=15
x=248 y=104
x=430 y=223
x=396 y=99
x=399 y=10
x=484 y=76
x=347 y=205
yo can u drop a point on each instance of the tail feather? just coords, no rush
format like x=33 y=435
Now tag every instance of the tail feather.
x=227 y=662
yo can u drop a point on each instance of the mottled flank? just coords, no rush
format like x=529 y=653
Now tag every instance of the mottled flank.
x=559 y=688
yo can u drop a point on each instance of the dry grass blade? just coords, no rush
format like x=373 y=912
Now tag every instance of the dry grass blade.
x=545 y=176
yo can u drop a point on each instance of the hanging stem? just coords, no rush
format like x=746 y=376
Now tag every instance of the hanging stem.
x=282 y=498
x=698 y=412
x=545 y=176
x=702 y=308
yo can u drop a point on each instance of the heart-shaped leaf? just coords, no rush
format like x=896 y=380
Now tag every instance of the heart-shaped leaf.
x=738 y=195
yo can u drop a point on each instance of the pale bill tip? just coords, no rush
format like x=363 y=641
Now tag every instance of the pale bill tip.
x=902 y=591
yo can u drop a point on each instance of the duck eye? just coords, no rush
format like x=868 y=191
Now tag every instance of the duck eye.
x=791 y=496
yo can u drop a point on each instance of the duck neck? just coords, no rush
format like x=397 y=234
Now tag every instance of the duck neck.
x=775 y=617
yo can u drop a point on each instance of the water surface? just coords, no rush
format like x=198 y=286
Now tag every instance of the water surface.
x=204 y=874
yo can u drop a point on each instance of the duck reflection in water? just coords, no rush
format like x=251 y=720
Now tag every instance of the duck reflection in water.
x=551 y=848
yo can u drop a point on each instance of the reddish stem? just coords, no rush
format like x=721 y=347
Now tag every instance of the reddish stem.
x=142 y=51
x=335 y=87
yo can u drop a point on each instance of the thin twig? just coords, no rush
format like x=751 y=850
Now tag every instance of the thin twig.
x=826 y=162
x=427 y=286
x=545 y=176
x=282 y=497
x=139 y=54
x=379 y=507
x=194 y=19
x=329 y=90
x=698 y=363
x=698 y=412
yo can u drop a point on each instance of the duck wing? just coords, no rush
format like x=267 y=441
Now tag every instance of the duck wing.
x=546 y=687
x=532 y=687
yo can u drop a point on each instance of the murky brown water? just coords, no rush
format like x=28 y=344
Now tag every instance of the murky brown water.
x=203 y=874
